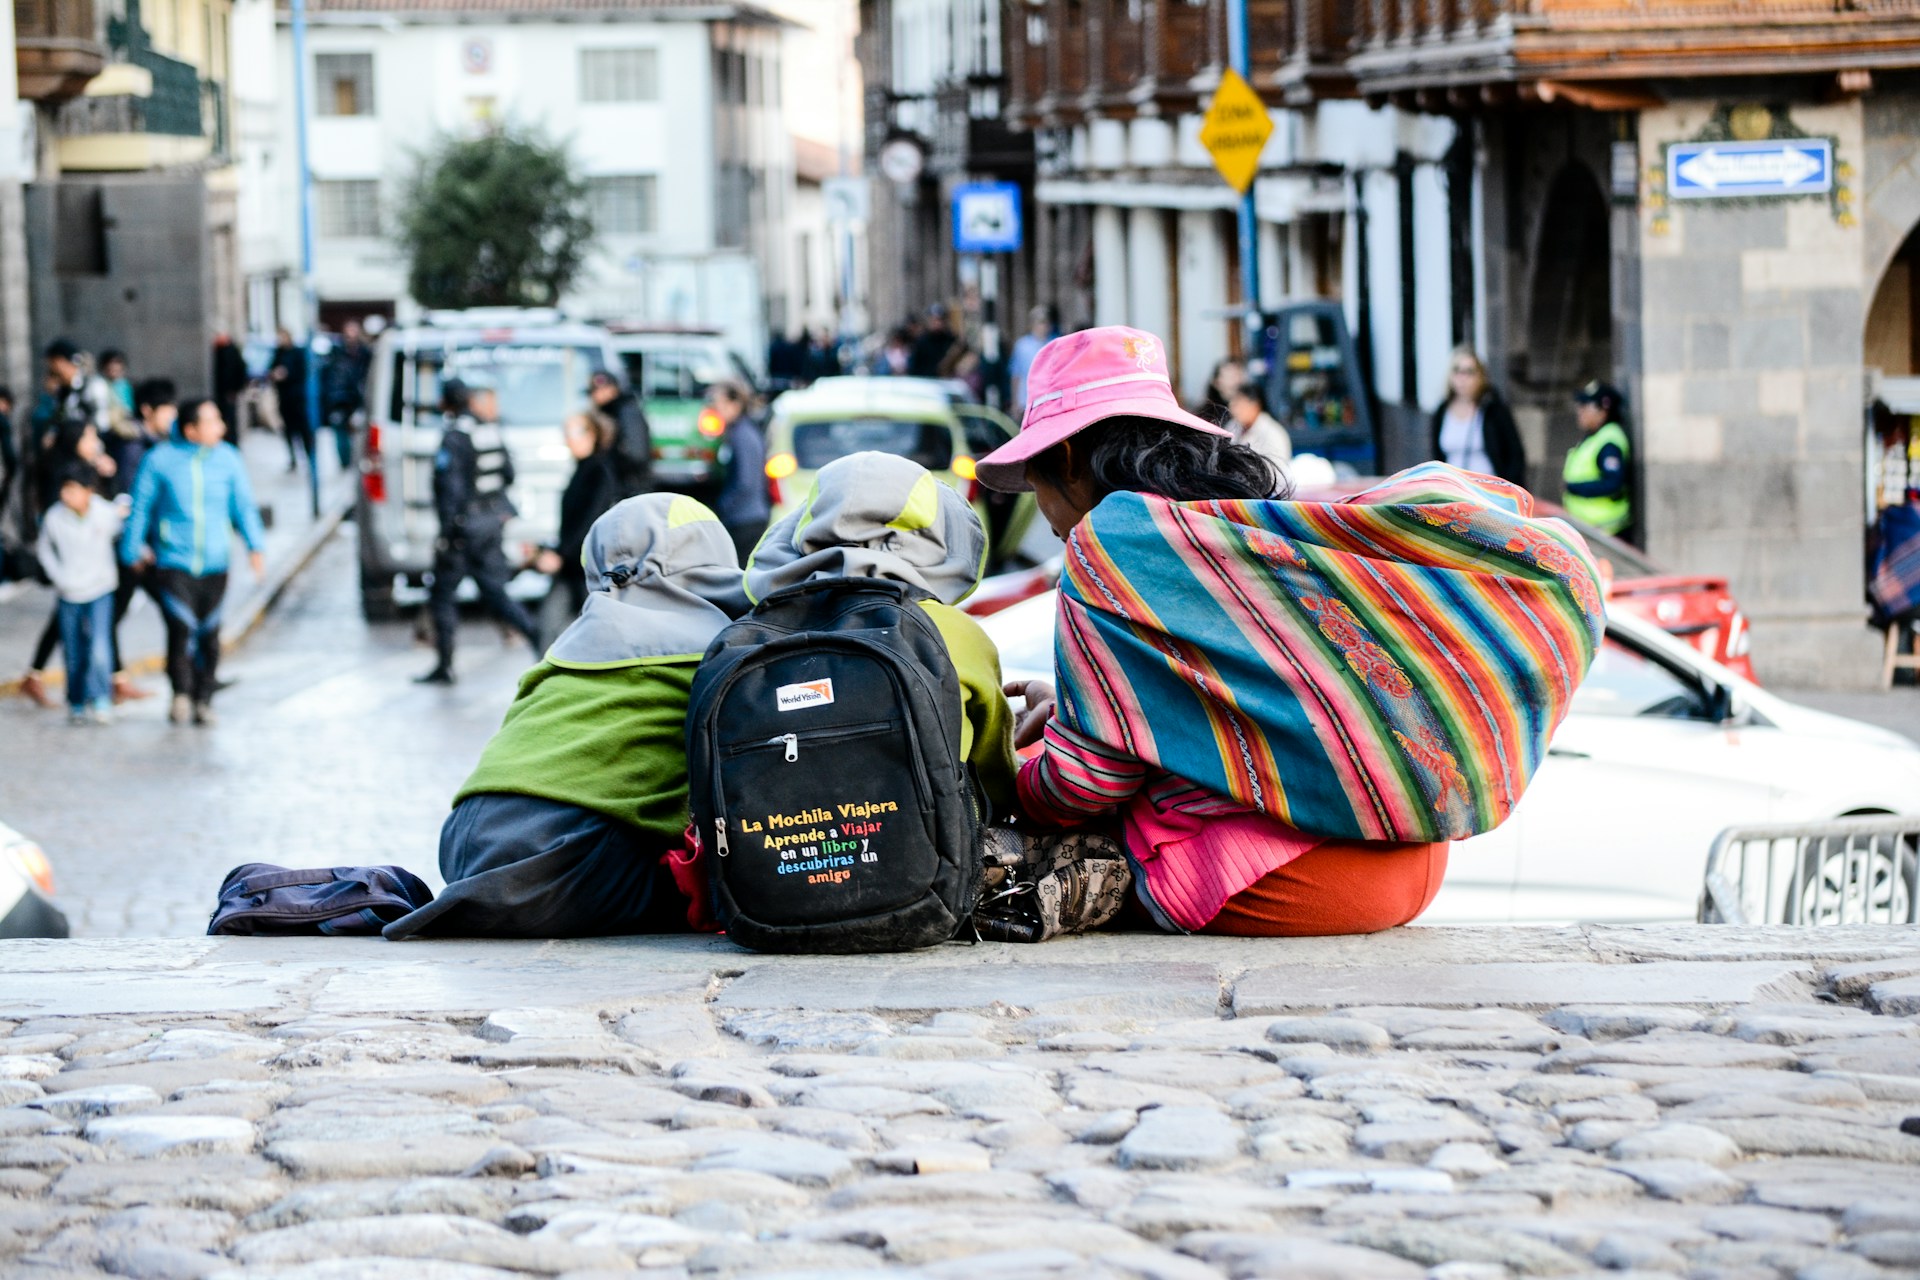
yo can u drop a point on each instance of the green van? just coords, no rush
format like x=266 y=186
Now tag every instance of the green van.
x=917 y=418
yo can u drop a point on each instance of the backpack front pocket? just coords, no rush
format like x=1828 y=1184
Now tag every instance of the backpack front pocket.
x=825 y=824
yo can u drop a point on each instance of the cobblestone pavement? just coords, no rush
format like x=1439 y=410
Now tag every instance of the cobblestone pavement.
x=1451 y=1103
x=326 y=753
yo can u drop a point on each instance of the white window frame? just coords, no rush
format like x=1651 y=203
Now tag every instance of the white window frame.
x=619 y=74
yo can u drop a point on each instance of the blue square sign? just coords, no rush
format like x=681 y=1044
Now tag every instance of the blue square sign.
x=986 y=218
x=1743 y=170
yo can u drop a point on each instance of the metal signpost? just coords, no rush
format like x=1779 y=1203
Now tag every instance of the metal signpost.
x=986 y=221
x=1234 y=133
x=1744 y=170
x=310 y=298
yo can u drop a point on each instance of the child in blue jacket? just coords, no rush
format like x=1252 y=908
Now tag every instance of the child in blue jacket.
x=191 y=495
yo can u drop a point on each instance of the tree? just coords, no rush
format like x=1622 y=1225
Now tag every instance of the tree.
x=494 y=221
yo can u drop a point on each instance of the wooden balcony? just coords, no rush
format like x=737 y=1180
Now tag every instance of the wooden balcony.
x=1069 y=59
x=1545 y=48
x=58 y=48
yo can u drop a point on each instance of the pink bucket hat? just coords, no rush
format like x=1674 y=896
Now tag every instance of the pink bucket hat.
x=1077 y=380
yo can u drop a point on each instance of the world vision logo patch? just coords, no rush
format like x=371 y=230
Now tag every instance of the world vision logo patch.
x=814 y=693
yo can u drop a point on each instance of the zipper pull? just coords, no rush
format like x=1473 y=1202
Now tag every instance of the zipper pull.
x=720 y=832
x=792 y=742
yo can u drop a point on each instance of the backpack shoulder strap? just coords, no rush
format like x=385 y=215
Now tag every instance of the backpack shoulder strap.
x=286 y=880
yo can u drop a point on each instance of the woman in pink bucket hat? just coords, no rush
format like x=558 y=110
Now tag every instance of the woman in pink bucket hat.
x=1288 y=708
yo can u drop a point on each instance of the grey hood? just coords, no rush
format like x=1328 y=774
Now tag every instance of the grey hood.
x=874 y=515
x=662 y=578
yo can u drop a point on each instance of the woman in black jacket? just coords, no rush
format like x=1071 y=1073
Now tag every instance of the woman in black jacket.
x=591 y=492
x=1473 y=428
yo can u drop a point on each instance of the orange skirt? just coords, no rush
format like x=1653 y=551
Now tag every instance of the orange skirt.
x=1343 y=886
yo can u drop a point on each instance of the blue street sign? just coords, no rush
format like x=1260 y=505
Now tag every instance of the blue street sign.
x=986 y=218
x=1732 y=170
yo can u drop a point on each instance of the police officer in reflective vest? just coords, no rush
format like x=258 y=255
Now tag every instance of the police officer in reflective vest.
x=471 y=474
x=1596 y=474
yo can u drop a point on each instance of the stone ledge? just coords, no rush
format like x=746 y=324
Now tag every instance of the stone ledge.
x=1439 y=966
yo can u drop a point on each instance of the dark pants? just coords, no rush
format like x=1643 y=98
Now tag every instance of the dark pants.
x=86 y=634
x=484 y=562
x=192 y=607
x=299 y=432
x=522 y=867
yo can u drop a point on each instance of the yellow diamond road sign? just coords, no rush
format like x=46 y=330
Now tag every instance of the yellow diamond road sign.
x=1235 y=131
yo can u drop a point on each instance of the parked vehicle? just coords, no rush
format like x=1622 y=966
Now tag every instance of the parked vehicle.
x=671 y=370
x=918 y=418
x=537 y=360
x=1697 y=607
x=1662 y=750
x=26 y=890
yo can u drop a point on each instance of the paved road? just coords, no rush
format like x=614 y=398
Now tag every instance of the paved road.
x=1427 y=1104
x=326 y=754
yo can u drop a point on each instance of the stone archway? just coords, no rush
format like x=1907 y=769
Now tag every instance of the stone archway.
x=1893 y=317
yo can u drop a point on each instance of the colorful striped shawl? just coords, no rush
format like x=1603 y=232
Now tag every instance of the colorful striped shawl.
x=1386 y=668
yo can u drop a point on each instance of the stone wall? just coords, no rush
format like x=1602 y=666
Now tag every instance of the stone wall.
x=1751 y=399
x=154 y=298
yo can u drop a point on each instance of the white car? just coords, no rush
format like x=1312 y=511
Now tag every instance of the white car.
x=1662 y=750
x=26 y=890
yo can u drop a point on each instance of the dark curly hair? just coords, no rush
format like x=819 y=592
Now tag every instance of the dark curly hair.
x=1146 y=455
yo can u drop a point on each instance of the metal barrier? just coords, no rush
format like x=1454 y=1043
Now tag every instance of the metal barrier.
x=1848 y=871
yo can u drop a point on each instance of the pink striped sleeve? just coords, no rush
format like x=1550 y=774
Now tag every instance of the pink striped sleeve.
x=1074 y=778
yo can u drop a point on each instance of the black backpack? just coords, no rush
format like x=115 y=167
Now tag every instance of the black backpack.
x=259 y=898
x=827 y=785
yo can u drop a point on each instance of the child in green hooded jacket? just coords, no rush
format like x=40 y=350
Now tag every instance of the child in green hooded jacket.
x=879 y=515
x=564 y=827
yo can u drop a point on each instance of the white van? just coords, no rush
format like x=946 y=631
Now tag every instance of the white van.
x=538 y=361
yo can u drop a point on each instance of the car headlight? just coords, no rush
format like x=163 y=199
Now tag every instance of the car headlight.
x=32 y=862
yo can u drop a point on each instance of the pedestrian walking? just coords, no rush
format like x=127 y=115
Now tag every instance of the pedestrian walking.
x=591 y=492
x=471 y=475
x=191 y=496
x=76 y=549
x=1473 y=428
x=1596 y=475
x=1316 y=790
x=743 y=505
x=75 y=449
x=289 y=376
x=567 y=825
x=1258 y=430
x=928 y=357
x=230 y=379
x=9 y=472
x=343 y=387
x=1040 y=331
x=71 y=394
x=631 y=445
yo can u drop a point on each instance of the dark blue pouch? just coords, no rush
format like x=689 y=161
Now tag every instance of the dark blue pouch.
x=259 y=898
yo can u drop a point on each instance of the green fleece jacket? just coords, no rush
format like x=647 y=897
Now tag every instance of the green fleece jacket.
x=986 y=721
x=611 y=739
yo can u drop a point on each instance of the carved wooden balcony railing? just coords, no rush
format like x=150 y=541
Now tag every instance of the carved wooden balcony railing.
x=58 y=48
x=1071 y=58
x=1540 y=46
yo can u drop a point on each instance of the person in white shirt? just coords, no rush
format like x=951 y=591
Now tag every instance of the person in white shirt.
x=76 y=548
x=1254 y=427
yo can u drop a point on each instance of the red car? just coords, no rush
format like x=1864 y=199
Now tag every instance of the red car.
x=1696 y=607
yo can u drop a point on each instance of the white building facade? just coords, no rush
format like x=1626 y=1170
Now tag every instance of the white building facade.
x=671 y=112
